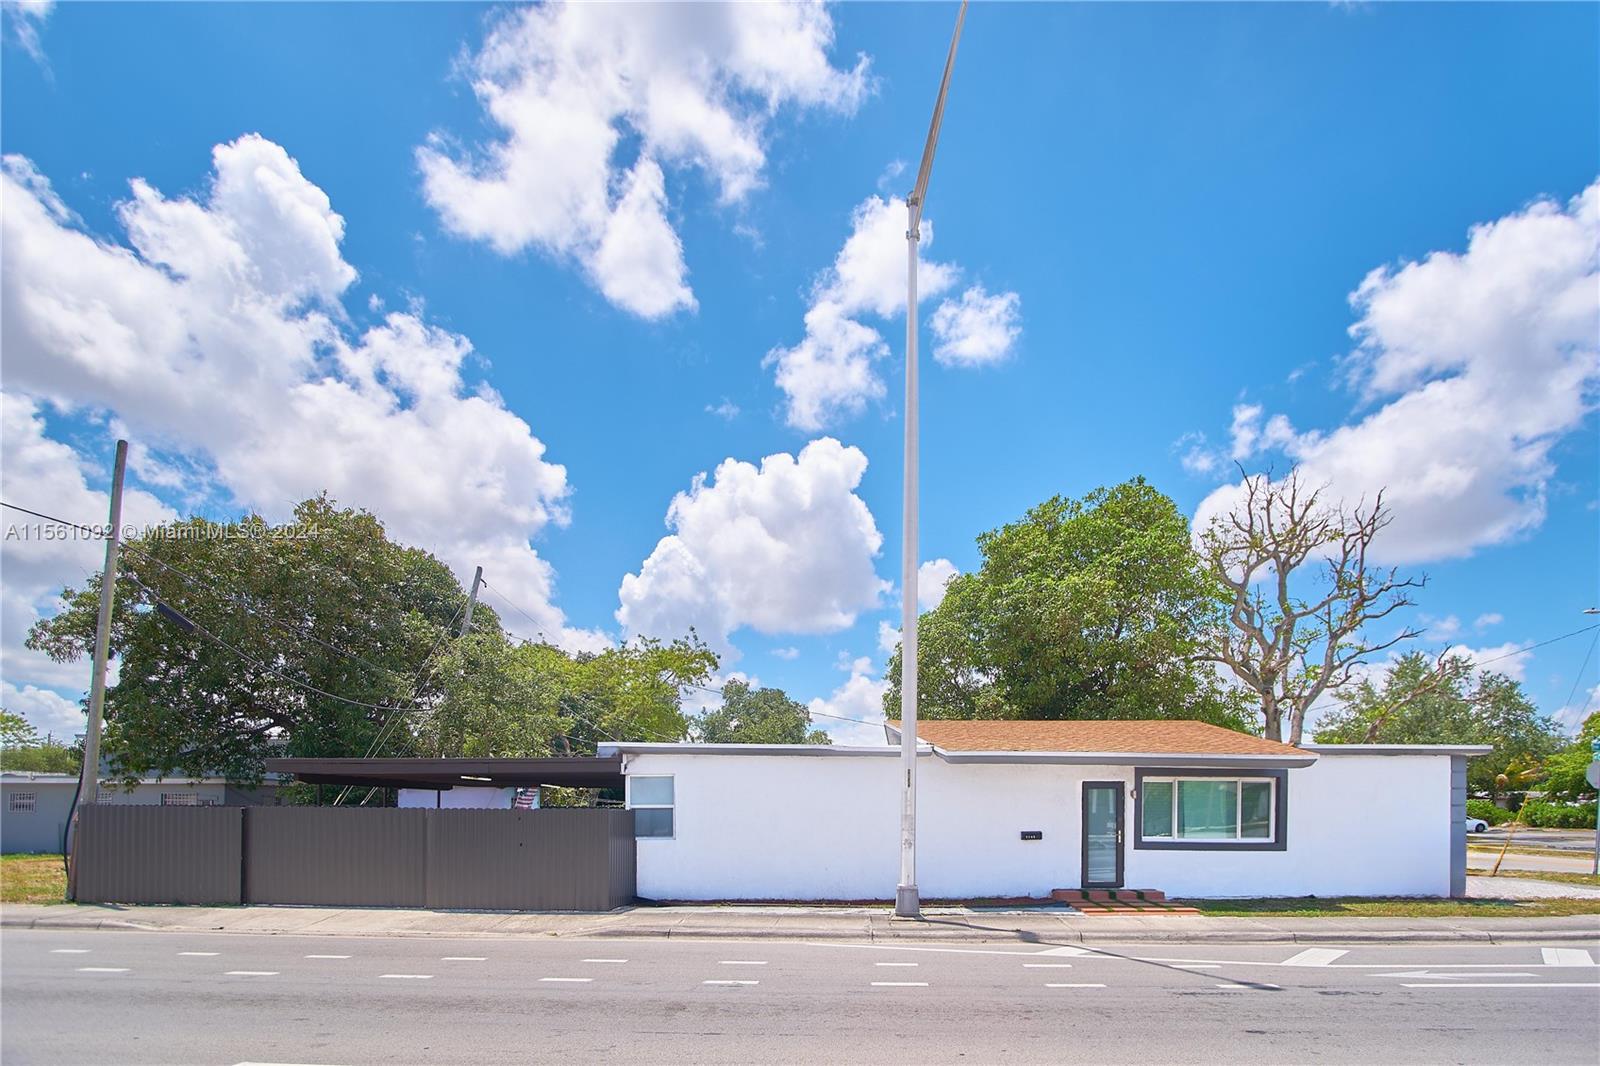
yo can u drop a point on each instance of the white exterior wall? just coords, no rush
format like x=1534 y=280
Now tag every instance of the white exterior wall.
x=811 y=827
x=457 y=798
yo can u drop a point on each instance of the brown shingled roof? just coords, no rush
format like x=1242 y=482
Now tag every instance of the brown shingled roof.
x=1165 y=737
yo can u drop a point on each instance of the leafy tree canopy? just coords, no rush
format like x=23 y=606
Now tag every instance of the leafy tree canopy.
x=1419 y=701
x=1084 y=609
x=336 y=642
x=757 y=716
x=1564 y=771
x=16 y=731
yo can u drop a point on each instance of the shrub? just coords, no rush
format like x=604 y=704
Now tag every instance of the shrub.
x=1485 y=809
x=1544 y=815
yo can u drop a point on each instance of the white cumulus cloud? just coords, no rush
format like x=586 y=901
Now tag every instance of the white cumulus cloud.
x=853 y=712
x=1470 y=367
x=216 y=336
x=567 y=84
x=933 y=577
x=831 y=373
x=786 y=547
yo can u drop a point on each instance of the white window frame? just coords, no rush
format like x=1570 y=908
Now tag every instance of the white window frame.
x=1238 y=810
x=673 y=806
x=22 y=802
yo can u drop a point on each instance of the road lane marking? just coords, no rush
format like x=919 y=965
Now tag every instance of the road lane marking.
x=1066 y=951
x=275 y=1064
x=207 y=954
x=1316 y=957
x=102 y=969
x=327 y=956
x=465 y=958
x=567 y=980
x=605 y=960
x=897 y=964
x=899 y=984
x=251 y=973
x=730 y=982
x=1566 y=957
x=1447 y=976
x=407 y=976
x=1196 y=965
x=1074 y=986
x=742 y=962
x=1047 y=966
x=69 y=951
x=1512 y=984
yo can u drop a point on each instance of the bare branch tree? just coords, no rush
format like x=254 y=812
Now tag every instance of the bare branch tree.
x=1281 y=541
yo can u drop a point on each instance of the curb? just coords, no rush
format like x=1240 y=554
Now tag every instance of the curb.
x=1053 y=938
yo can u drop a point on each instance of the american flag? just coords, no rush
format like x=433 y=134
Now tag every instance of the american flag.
x=527 y=799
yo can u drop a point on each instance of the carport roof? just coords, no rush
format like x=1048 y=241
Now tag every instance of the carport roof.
x=573 y=772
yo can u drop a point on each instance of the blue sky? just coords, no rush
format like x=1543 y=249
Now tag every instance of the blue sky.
x=1157 y=219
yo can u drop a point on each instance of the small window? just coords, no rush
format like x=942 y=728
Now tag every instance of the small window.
x=22 y=802
x=180 y=799
x=651 y=799
x=1157 y=809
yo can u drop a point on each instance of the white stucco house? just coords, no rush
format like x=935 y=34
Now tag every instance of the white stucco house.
x=1019 y=809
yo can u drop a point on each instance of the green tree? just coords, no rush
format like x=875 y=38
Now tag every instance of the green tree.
x=1418 y=701
x=338 y=608
x=1084 y=609
x=757 y=716
x=1564 y=771
x=16 y=731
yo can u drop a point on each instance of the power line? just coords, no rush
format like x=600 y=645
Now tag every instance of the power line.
x=1581 y=669
x=539 y=626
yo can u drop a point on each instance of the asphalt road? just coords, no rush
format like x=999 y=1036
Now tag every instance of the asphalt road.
x=1578 y=840
x=125 y=997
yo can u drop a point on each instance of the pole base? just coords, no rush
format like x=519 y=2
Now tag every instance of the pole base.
x=907 y=903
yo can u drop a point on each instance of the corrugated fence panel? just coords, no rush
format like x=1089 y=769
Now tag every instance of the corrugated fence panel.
x=624 y=873
x=128 y=854
x=336 y=858
x=559 y=860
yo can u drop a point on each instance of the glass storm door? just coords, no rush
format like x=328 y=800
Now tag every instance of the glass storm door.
x=1102 y=834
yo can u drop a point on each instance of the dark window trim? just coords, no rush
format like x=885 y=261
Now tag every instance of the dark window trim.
x=1280 y=815
x=1116 y=788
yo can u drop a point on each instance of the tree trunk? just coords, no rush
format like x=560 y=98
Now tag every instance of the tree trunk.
x=1272 y=719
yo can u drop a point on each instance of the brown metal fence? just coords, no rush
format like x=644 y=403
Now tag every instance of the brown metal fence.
x=579 y=860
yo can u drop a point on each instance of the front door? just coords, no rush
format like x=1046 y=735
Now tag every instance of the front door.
x=1102 y=834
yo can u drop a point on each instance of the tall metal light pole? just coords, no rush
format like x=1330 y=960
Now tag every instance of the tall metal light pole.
x=907 y=903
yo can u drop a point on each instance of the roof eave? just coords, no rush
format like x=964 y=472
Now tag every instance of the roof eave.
x=1198 y=760
x=1467 y=750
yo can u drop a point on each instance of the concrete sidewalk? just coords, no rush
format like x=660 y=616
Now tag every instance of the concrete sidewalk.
x=1043 y=925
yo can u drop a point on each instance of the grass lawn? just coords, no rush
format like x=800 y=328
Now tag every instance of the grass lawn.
x=1561 y=877
x=1519 y=849
x=32 y=879
x=1395 y=908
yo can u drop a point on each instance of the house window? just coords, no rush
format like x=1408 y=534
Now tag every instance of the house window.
x=180 y=799
x=1211 y=809
x=651 y=799
x=22 y=802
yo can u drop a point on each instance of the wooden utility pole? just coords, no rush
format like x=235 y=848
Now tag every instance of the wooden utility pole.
x=472 y=601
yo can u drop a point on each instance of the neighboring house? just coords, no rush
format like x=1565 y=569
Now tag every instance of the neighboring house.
x=1020 y=808
x=34 y=807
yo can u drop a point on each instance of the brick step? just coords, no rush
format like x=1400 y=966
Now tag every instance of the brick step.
x=1107 y=895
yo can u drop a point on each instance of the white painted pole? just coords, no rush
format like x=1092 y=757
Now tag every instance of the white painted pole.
x=907 y=900
x=89 y=787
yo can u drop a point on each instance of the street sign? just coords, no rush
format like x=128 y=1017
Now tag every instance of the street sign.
x=1592 y=775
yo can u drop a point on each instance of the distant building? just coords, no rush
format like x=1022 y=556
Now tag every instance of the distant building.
x=34 y=807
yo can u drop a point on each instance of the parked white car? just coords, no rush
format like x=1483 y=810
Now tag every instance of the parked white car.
x=1477 y=825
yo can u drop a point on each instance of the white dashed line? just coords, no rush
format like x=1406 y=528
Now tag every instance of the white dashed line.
x=899 y=984
x=327 y=956
x=568 y=980
x=741 y=962
x=69 y=951
x=407 y=976
x=1511 y=984
x=730 y=982
x=465 y=958
x=251 y=973
x=605 y=960
x=1315 y=957
x=206 y=954
x=1074 y=986
x=1047 y=966
x=102 y=969
x=894 y=964
x=1566 y=957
